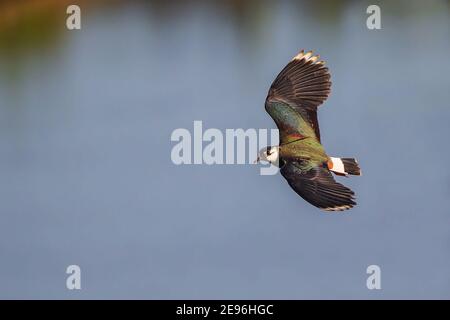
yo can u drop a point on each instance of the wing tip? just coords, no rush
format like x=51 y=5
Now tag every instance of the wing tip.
x=308 y=56
x=339 y=207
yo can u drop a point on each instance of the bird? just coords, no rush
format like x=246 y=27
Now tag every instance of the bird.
x=292 y=102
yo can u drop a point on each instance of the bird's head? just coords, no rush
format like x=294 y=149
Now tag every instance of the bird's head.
x=269 y=154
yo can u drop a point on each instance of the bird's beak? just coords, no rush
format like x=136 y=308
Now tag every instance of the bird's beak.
x=256 y=161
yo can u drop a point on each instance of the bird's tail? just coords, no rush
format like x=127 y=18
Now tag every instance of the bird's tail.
x=344 y=166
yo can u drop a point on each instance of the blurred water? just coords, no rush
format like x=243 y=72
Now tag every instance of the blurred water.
x=85 y=124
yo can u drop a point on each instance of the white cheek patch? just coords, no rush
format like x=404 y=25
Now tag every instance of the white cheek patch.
x=273 y=157
x=338 y=165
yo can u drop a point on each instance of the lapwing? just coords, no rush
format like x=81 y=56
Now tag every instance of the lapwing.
x=292 y=102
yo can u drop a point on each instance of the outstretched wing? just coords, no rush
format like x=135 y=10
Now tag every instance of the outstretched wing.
x=302 y=86
x=317 y=186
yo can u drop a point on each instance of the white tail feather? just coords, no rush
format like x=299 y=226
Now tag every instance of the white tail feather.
x=338 y=166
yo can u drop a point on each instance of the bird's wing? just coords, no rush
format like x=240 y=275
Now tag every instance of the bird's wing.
x=302 y=85
x=317 y=186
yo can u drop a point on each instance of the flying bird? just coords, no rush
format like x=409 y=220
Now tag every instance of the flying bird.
x=292 y=102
